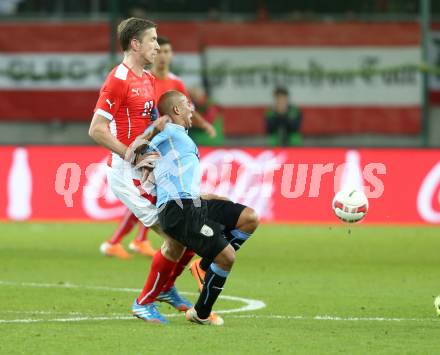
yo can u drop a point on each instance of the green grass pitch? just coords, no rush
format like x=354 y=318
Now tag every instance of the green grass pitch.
x=327 y=289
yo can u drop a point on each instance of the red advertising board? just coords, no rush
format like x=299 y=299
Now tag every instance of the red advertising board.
x=283 y=185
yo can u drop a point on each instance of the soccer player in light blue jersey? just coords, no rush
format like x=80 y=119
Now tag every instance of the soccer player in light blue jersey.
x=214 y=228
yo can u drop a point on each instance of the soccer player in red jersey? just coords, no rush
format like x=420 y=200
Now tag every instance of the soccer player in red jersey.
x=122 y=113
x=165 y=81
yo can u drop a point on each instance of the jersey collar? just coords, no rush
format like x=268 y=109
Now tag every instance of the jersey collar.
x=178 y=126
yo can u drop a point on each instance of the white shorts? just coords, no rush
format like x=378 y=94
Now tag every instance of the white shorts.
x=125 y=184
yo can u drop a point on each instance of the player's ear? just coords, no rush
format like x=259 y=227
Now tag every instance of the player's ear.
x=176 y=109
x=134 y=43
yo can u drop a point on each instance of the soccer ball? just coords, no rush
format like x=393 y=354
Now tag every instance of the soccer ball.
x=437 y=305
x=350 y=205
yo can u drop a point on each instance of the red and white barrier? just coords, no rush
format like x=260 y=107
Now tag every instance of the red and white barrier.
x=47 y=66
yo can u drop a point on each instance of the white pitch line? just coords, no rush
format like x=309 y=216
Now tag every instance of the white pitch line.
x=336 y=318
x=252 y=316
x=41 y=312
x=69 y=285
x=64 y=320
x=250 y=304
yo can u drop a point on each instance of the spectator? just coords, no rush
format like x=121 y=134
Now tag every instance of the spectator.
x=283 y=120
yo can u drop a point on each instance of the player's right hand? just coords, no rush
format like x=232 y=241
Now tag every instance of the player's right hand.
x=146 y=163
x=147 y=160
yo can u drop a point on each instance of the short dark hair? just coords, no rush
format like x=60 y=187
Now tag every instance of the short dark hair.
x=130 y=28
x=281 y=90
x=163 y=40
x=166 y=101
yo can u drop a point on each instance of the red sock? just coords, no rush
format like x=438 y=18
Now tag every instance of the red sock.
x=178 y=269
x=142 y=233
x=160 y=271
x=125 y=226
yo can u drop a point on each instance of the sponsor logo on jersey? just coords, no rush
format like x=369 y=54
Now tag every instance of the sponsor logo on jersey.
x=109 y=103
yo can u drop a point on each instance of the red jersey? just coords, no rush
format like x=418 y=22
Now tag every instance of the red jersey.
x=171 y=82
x=127 y=100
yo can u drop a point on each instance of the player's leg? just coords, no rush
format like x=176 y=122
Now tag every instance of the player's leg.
x=164 y=260
x=240 y=222
x=198 y=273
x=164 y=267
x=142 y=234
x=191 y=227
x=113 y=246
x=161 y=268
x=215 y=279
x=183 y=262
x=170 y=295
x=141 y=244
x=178 y=269
x=239 y=232
x=169 y=292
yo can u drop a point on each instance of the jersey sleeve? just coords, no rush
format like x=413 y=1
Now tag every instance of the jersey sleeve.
x=160 y=138
x=110 y=97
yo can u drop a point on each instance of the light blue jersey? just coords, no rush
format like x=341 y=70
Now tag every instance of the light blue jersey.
x=177 y=172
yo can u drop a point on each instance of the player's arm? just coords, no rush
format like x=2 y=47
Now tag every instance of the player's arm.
x=99 y=131
x=110 y=98
x=200 y=122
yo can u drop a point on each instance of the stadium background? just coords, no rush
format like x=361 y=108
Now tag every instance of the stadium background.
x=358 y=71
x=366 y=74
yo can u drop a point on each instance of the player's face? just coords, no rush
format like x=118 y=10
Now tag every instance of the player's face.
x=148 y=46
x=186 y=109
x=164 y=56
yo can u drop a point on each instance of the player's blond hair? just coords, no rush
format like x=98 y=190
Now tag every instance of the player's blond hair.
x=132 y=27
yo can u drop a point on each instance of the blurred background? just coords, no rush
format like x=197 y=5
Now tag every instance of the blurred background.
x=334 y=81
x=358 y=73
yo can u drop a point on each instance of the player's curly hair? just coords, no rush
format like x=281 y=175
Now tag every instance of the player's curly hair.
x=132 y=27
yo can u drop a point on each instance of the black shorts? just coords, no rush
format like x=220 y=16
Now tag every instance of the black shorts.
x=200 y=227
x=225 y=212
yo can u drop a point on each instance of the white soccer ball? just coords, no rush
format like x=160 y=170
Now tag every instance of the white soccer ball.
x=350 y=205
x=437 y=305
